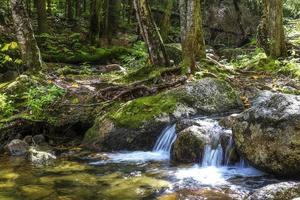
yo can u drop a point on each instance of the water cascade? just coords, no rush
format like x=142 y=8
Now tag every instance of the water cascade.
x=216 y=167
x=161 y=150
x=166 y=139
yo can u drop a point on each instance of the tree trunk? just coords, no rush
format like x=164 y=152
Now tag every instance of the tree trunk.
x=28 y=7
x=31 y=55
x=69 y=9
x=42 y=16
x=95 y=20
x=270 y=33
x=49 y=7
x=78 y=9
x=192 y=39
x=150 y=33
x=165 y=22
x=113 y=14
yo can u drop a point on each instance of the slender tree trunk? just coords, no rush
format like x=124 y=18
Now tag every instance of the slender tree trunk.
x=31 y=55
x=270 y=33
x=49 y=7
x=69 y=9
x=78 y=9
x=28 y=7
x=95 y=20
x=42 y=16
x=277 y=38
x=84 y=6
x=113 y=18
x=192 y=39
x=150 y=33
x=165 y=22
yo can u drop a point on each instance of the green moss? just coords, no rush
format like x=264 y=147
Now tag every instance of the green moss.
x=135 y=113
x=96 y=56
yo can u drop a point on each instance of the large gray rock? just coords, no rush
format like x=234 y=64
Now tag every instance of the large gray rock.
x=278 y=191
x=268 y=134
x=189 y=145
x=137 y=124
x=230 y=22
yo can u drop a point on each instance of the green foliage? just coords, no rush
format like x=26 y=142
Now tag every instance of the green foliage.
x=40 y=98
x=8 y=53
x=137 y=57
x=260 y=62
x=6 y=106
x=292 y=8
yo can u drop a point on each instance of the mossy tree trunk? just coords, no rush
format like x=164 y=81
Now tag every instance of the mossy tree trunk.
x=31 y=55
x=165 y=22
x=94 y=30
x=192 y=39
x=41 y=16
x=270 y=33
x=150 y=33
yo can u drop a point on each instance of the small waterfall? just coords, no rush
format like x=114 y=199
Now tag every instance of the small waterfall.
x=212 y=157
x=228 y=151
x=166 y=139
x=214 y=154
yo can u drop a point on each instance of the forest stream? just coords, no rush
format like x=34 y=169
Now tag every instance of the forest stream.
x=133 y=175
x=149 y=100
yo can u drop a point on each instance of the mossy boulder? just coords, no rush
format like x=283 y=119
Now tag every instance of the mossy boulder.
x=268 y=134
x=174 y=52
x=137 y=124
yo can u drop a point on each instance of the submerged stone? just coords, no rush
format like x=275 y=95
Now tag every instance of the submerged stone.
x=17 y=147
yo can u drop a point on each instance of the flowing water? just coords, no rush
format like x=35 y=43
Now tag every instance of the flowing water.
x=133 y=175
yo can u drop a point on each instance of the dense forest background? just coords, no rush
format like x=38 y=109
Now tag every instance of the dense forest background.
x=149 y=99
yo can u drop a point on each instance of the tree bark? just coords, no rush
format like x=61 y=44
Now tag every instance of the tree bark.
x=95 y=20
x=31 y=55
x=192 y=39
x=165 y=22
x=49 y=7
x=150 y=33
x=69 y=9
x=113 y=18
x=270 y=33
x=42 y=16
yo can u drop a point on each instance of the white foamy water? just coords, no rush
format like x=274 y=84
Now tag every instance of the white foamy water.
x=215 y=176
x=161 y=150
x=166 y=139
x=134 y=157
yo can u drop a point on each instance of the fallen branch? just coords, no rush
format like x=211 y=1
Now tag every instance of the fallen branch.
x=210 y=59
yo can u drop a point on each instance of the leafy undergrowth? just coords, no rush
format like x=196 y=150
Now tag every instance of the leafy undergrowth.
x=28 y=96
x=73 y=49
x=258 y=61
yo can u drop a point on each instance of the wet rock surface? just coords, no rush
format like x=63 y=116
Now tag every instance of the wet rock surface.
x=17 y=147
x=268 y=134
x=189 y=145
x=279 y=191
